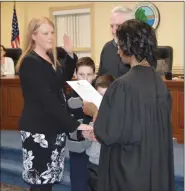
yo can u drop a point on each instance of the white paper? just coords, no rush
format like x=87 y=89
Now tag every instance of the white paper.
x=86 y=91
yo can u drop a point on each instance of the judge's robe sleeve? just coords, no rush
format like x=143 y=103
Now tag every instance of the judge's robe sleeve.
x=119 y=117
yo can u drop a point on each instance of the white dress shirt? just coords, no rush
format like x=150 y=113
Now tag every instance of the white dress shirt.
x=7 y=68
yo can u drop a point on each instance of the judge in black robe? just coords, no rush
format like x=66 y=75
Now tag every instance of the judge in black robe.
x=133 y=124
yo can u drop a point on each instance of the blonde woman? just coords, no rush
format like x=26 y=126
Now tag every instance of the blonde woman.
x=7 y=64
x=44 y=120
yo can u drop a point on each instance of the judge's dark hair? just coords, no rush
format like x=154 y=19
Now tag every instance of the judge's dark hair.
x=85 y=61
x=104 y=81
x=3 y=47
x=137 y=38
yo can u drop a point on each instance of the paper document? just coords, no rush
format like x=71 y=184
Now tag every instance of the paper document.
x=86 y=91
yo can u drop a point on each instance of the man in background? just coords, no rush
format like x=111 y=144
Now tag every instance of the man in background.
x=110 y=61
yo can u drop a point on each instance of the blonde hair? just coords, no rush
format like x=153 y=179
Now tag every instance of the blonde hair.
x=29 y=44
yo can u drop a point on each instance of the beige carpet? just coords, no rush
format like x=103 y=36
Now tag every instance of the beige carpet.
x=6 y=187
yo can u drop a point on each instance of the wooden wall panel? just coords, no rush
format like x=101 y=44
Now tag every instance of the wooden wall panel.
x=181 y=110
x=176 y=88
x=15 y=101
x=11 y=103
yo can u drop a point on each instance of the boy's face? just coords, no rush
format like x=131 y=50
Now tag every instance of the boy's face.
x=85 y=73
x=101 y=90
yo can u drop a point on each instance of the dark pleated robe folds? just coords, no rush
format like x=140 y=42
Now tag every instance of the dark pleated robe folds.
x=135 y=132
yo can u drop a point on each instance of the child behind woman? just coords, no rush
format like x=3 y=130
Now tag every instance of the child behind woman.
x=101 y=85
x=85 y=70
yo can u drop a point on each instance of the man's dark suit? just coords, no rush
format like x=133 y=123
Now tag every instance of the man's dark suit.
x=110 y=61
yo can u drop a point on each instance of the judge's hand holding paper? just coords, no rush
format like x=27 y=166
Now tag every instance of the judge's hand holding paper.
x=90 y=109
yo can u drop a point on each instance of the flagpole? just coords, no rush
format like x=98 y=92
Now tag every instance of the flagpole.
x=15 y=40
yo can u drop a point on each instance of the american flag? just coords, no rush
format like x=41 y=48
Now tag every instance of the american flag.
x=15 y=41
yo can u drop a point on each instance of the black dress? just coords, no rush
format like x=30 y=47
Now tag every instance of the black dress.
x=44 y=119
x=134 y=128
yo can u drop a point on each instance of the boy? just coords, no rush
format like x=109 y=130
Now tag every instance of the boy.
x=101 y=85
x=77 y=145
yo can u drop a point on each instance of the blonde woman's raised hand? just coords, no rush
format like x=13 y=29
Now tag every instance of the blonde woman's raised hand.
x=68 y=45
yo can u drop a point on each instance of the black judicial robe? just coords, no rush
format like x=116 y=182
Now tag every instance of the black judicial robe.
x=135 y=132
